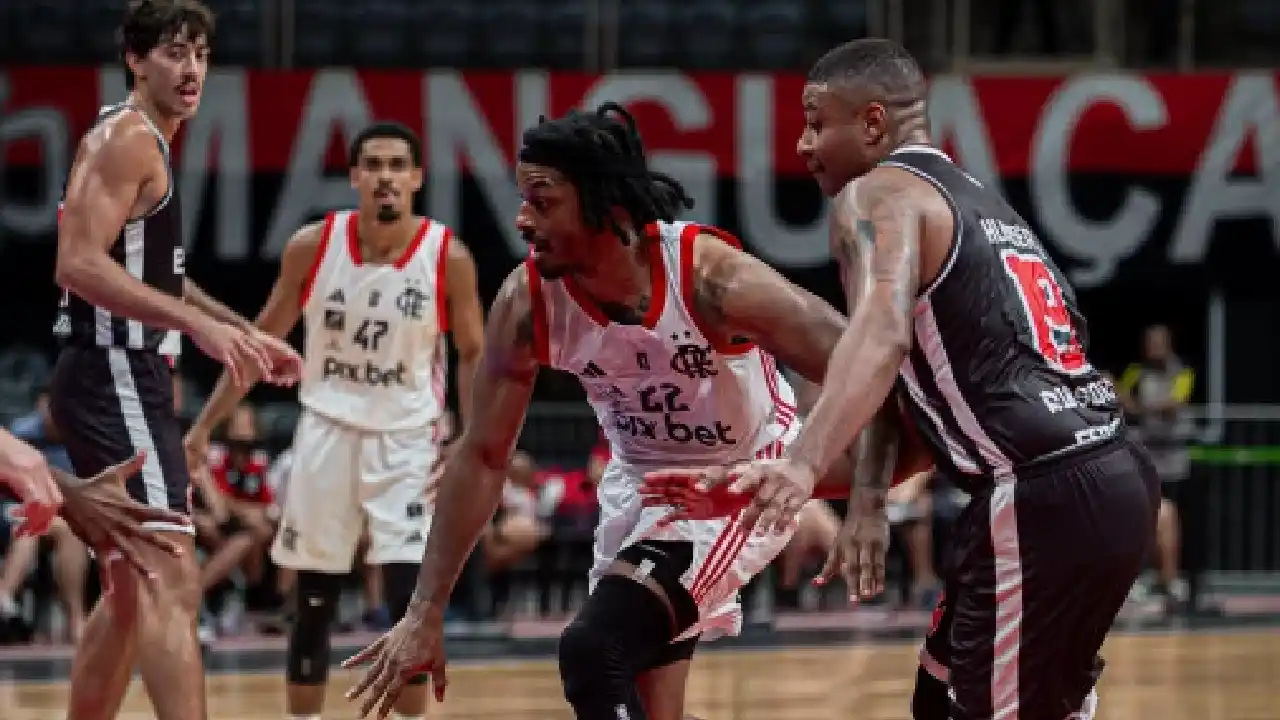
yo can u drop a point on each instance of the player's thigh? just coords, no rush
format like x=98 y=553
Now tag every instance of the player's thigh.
x=393 y=471
x=662 y=684
x=321 y=522
x=109 y=404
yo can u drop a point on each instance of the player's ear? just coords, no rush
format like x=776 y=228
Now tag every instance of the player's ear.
x=134 y=63
x=354 y=174
x=415 y=179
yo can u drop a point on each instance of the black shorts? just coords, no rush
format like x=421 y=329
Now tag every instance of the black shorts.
x=109 y=403
x=1038 y=569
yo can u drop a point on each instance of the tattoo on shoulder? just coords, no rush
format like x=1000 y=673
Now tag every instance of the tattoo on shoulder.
x=866 y=231
x=708 y=297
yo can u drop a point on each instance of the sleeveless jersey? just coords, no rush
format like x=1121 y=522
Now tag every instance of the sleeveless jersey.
x=375 y=355
x=998 y=376
x=150 y=249
x=663 y=393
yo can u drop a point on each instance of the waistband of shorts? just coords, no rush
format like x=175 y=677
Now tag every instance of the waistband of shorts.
x=1043 y=466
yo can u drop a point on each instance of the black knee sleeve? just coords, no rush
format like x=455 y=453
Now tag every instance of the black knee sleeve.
x=665 y=561
x=398 y=583
x=930 y=700
x=315 y=605
x=399 y=580
x=622 y=626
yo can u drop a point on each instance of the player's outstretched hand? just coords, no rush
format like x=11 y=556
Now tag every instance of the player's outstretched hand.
x=415 y=646
x=102 y=514
x=25 y=471
x=286 y=363
x=859 y=553
x=243 y=356
x=779 y=488
x=693 y=493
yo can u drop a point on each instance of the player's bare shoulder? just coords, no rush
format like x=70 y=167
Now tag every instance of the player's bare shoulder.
x=511 y=334
x=121 y=150
x=718 y=263
x=302 y=250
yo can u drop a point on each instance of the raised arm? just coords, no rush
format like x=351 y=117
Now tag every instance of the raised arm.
x=738 y=296
x=277 y=318
x=118 y=169
x=470 y=487
x=466 y=320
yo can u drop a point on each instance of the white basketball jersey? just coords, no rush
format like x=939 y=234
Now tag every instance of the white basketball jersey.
x=662 y=392
x=375 y=355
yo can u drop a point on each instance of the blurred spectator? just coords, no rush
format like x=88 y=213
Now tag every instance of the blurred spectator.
x=520 y=523
x=234 y=522
x=911 y=512
x=1155 y=393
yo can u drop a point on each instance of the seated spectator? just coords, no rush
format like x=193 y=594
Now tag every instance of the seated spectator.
x=519 y=526
x=234 y=522
x=911 y=513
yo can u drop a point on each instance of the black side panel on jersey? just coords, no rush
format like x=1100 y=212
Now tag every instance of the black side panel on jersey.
x=148 y=248
x=998 y=376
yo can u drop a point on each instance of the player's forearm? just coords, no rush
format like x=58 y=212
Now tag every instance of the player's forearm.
x=211 y=307
x=467 y=366
x=864 y=366
x=469 y=495
x=225 y=397
x=99 y=281
x=875 y=454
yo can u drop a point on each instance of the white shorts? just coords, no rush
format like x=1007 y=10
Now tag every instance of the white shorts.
x=725 y=557
x=342 y=477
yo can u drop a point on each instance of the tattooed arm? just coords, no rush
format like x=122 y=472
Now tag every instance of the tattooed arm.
x=473 y=475
x=737 y=298
x=876 y=228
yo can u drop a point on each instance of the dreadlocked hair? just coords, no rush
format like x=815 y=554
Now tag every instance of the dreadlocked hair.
x=601 y=153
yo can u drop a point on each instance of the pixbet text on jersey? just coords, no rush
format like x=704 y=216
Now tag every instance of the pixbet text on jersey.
x=368 y=374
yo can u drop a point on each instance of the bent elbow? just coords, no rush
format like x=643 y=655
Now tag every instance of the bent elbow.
x=68 y=273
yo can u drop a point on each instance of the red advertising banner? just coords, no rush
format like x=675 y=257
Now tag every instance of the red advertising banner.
x=1195 y=148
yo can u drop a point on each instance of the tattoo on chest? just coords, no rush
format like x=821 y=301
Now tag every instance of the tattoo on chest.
x=625 y=314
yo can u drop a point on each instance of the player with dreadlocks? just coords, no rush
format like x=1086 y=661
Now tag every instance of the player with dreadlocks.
x=672 y=330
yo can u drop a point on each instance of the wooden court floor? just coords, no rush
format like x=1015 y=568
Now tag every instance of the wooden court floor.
x=1229 y=676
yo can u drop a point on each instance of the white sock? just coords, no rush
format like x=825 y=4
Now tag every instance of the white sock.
x=397 y=716
x=302 y=717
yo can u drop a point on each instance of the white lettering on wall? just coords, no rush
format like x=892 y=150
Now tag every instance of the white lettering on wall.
x=1099 y=245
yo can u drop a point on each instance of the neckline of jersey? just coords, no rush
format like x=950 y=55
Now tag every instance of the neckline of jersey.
x=657 y=285
x=357 y=258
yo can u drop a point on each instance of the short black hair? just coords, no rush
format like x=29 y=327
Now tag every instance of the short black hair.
x=601 y=153
x=881 y=63
x=385 y=130
x=147 y=23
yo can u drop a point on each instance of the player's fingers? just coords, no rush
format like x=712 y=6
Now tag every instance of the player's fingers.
x=746 y=480
x=372 y=684
x=258 y=355
x=159 y=540
x=120 y=472
x=130 y=555
x=390 y=695
x=361 y=658
x=830 y=566
x=787 y=517
x=439 y=681
x=231 y=362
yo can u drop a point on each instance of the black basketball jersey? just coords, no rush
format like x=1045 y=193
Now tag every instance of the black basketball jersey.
x=150 y=249
x=998 y=376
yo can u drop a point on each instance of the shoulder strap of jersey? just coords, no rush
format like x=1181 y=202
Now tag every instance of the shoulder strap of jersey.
x=436 y=250
x=688 y=236
x=334 y=224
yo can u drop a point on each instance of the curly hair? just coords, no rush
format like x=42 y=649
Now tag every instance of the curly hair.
x=602 y=155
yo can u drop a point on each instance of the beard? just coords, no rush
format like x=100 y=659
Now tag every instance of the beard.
x=388 y=214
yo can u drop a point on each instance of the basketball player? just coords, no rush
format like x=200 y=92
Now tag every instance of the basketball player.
x=951 y=293
x=672 y=330
x=124 y=304
x=378 y=288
